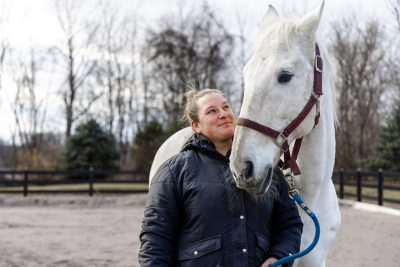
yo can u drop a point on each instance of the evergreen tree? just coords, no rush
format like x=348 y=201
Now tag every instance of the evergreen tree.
x=387 y=153
x=146 y=144
x=90 y=146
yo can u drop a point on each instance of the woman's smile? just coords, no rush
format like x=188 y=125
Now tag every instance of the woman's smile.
x=225 y=124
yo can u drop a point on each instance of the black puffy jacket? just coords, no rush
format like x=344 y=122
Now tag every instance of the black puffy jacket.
x=196 y=216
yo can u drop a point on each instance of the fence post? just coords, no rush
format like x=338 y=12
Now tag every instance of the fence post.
x=341 y=183
x=91 y=181
x=359 y=184
x=25 y=183
x=380 y=187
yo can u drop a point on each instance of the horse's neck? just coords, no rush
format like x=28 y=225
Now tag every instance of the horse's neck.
x=317 y=154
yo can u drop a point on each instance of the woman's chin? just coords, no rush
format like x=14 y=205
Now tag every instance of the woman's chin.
x=227 y=134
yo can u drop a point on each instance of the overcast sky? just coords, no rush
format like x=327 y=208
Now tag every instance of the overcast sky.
x=33 y=22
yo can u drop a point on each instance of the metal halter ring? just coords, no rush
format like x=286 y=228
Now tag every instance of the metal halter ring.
x=290 y=182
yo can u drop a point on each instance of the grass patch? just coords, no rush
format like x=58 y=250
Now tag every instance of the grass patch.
x=80 y=186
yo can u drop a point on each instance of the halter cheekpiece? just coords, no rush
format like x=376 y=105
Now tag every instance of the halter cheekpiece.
x=281 y=137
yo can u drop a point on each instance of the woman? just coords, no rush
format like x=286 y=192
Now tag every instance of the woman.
x=196 y=216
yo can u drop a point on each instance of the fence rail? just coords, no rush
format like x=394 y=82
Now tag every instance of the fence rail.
x=69 y=182
x=383 y=187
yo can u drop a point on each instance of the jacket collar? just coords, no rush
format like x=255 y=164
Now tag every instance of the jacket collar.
x=201 y=143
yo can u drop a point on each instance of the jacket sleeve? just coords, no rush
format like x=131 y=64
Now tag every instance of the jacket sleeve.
x=160 y=222
x=286 y=225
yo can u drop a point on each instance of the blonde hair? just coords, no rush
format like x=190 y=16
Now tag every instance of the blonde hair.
x=191 y=112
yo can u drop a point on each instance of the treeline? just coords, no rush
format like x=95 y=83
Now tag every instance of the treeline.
x=128 y=76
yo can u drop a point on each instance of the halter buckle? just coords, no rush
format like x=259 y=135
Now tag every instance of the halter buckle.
x=315 y=95
x=280 y=140
x=318 y=63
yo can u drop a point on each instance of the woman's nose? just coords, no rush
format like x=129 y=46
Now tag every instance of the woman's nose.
x=223 y=113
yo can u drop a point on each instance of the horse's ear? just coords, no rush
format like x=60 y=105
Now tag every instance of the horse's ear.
x=308 y=24
x=270 y=17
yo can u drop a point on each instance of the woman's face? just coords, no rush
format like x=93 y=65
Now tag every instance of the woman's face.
x=216 y=119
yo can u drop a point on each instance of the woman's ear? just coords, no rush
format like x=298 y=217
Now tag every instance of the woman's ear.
x=195 y=126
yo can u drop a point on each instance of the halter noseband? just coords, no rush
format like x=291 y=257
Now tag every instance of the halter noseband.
x=281 y=137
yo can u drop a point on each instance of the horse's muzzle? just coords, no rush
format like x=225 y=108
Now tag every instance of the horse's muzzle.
x=248 y=181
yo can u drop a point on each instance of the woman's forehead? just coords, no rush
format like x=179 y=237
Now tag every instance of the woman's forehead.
x=209 y=100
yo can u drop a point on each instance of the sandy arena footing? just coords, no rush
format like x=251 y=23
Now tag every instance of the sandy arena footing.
x=103 y=231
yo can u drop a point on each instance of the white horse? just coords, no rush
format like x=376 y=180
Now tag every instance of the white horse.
x=278 y=83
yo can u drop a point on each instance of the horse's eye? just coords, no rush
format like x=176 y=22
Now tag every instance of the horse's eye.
x=285 y=76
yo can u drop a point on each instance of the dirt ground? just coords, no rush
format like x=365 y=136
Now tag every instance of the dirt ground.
x=103 y=231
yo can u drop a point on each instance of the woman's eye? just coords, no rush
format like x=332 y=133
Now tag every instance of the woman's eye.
x=285 y=76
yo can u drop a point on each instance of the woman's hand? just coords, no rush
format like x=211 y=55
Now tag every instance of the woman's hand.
x=269 y=261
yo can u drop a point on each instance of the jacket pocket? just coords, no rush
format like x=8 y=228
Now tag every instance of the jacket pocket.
x=262 y=248
x=202 y=253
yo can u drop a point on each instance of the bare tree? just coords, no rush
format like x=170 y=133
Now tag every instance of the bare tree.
x=188 y=51
x=4 y=42
x=394 y=6
x=78 y=60
x=145 y=78
x=29 y=109
x=116 y=72
x=362 y=79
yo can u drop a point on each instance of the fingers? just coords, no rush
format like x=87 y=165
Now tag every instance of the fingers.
x=268 y=262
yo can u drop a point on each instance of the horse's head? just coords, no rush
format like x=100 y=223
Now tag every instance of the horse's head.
x=278 y=83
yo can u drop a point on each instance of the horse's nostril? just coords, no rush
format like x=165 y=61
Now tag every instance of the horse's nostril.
x=248 y=170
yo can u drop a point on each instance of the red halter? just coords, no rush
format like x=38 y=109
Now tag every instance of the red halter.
x=281 y=137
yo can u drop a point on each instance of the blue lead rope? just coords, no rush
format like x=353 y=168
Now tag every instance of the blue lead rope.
x=296 y=197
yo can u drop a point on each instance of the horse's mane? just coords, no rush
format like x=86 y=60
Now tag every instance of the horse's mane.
x=330 y=71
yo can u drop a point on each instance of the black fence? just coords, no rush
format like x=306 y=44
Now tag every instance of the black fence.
x=70 y=182
x=379 y=187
